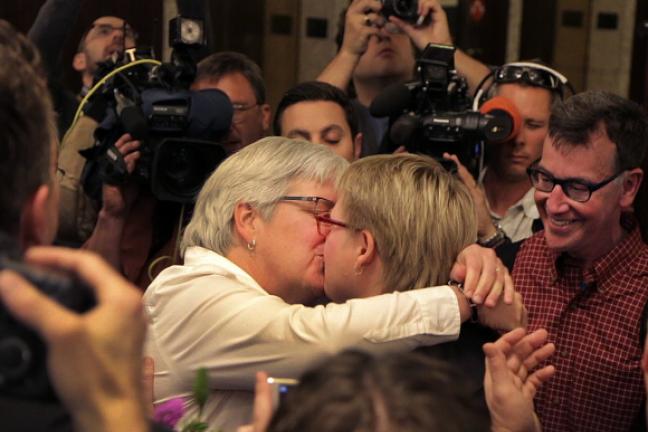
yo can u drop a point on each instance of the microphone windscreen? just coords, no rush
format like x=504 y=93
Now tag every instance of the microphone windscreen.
x=501 y=106
x=391 y=101
x=403 y=129
x=211 y=114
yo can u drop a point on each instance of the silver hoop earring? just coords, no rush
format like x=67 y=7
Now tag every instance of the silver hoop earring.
x=251 y=245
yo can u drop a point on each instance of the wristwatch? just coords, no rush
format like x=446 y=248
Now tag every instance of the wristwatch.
x=495 y=240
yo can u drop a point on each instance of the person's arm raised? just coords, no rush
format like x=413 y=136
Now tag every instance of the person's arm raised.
x=117 y=202
x=358 y=29
x=432 y=27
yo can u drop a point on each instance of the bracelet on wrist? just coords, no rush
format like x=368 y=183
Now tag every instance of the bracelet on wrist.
x=474 y=317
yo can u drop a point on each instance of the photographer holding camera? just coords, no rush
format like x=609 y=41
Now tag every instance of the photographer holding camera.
x=129 y=197
x=376 y=48
x=94 y=359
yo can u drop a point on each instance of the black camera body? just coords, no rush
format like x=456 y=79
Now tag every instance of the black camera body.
x=433 y=115
x=180 y=129
x=407 y=10
x=23 y=370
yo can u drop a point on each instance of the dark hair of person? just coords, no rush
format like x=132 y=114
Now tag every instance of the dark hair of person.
x=27 y=123
x=573 y=121
x=403 y=392
x=82 y=41
x=216 y=66
x=316 y=91
x=19 y=43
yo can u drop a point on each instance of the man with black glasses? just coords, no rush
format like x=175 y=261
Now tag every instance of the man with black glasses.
x=107 y=36
x=585 y=277
x=503 y=192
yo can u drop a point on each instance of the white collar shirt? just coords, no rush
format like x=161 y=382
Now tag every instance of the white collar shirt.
x=209 y=313
x=517 y=222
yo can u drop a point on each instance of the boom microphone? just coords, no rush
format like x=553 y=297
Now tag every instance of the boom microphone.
x=395 y=99
x=403 y=128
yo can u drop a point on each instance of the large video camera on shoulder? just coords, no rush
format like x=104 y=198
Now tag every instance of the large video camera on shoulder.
x=433 y=115
x=180 y=129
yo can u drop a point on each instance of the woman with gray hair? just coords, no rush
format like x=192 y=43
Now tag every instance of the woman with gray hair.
x=252 y=254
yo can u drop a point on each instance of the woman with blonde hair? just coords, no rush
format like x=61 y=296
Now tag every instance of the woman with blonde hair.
x=399 y=223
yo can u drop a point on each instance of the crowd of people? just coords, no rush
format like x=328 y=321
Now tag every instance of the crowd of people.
x=404 y=291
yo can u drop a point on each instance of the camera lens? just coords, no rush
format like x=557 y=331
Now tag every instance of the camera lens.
x=182 y=166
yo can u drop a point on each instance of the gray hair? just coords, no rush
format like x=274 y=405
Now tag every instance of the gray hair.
x=258 y=175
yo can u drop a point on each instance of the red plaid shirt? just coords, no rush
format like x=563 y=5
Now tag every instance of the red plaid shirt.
x=593 y=316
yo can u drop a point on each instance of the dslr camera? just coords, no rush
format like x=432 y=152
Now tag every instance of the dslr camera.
x=180 y=129
x=407 y=10
x=23 y=356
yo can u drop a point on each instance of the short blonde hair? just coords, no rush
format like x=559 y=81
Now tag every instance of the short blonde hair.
x=259 y=175
x=420 y=215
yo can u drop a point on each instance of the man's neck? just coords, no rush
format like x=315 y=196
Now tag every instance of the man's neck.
x=612 y=240
x=503 y=193
x=86 y=80
x=367 y=89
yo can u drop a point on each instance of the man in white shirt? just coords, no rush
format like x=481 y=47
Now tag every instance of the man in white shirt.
x=503 y=193
x=253 y=257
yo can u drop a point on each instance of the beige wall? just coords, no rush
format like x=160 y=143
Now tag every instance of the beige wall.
x=595 y=58
x=514 y=31
x=610 y=51
x=280 y=52
x=315 y=53
x=570 y=43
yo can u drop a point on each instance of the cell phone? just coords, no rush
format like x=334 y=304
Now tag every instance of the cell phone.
x=280 y=388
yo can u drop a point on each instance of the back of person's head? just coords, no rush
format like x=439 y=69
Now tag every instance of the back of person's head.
x=420 y=215
x=215 y=66
x=574 y=121
x=27 y=123
x=315 y=91
x=404 y=392
x=18 y=42
x=259 y=175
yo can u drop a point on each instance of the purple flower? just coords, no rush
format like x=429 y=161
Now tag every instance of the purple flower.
x=169 y=412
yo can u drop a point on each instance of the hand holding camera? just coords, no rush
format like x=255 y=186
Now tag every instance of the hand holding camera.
x=118 y=199
x=359 y=26
x=424 y=21
x=93 y=358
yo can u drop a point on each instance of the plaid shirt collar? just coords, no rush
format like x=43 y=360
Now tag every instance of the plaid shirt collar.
x=604 y=267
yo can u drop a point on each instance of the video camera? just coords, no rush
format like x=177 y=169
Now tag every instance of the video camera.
x=23 y=370
x=179 y=128
x=433 y=116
